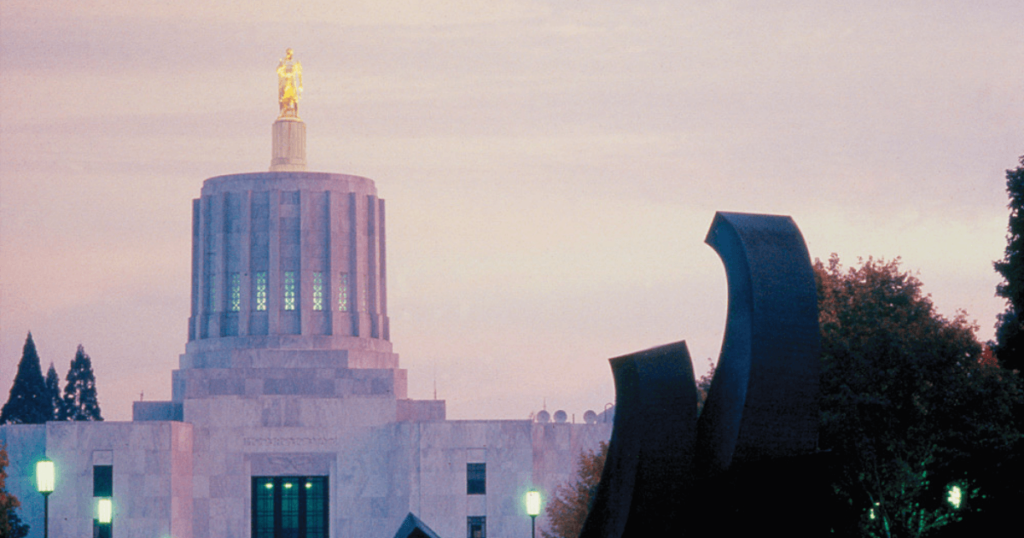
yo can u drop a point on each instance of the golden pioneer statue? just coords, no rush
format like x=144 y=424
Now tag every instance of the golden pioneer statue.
x=289 y=85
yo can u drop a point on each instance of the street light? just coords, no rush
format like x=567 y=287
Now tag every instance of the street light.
x=104 y=515
x=533 y=510
x=104 y=511
x=45 y=476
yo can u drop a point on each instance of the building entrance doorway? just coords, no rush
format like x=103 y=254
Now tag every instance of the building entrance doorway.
x=289 y=507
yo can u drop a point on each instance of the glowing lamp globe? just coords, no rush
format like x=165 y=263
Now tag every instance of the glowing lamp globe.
x=533 y=503
x=104 y=511
x=45 y=476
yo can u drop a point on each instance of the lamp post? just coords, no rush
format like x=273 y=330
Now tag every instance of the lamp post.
x=44 y=483
x=533 y=510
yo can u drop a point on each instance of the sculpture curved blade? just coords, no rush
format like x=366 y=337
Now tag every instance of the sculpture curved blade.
x=763 y=401
x=648 y=469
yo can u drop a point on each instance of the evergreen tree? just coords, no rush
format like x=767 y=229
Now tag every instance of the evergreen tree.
x=1009 y=346
x=80 y=401
x=28 y=402
x=53 y=391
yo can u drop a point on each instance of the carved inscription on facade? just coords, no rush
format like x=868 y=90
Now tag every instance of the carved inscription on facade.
x=297 y=442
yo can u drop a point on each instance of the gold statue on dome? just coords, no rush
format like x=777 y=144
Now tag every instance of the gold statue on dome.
x=289 y=85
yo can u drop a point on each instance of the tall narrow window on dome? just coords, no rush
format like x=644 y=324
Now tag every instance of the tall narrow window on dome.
x=362 y=297
x=343 y=293
x=261 y=290
x=211 y=296
x=236 y=292
x=318 y=291
x=289 y=290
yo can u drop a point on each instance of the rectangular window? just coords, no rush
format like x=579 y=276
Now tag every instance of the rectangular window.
x=261 y=290
x=477 y=526
x=263 y=508
x=343 y=293
x=102 y=481
x=476 y=478
x=289 y=290
x=289 y=506
x=236 y=292
x=362 y=298
x=318 y=291
x=211 y=296
x=289 y=490
x=102 y=490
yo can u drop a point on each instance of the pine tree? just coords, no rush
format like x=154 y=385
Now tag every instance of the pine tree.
x=28 y=402
x=1009 y=346
x=53 y=390
x=80 y=401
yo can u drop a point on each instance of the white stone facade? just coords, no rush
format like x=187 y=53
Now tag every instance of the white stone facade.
x=289 y=372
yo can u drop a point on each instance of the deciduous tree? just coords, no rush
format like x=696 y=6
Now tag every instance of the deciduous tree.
x=28 y=402
x=1009 y=345
x=80 y=402
x=10 y=524
x=906 y=405
x=568 y=507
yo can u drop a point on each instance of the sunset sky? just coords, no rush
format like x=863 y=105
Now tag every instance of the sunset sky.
x=550 y=167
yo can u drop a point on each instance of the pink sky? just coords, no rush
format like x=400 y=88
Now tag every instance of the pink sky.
x=550 y=167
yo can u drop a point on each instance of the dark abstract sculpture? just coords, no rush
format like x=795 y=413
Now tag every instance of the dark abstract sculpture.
x=667 y=472
x=653 y=387
x=763 y=401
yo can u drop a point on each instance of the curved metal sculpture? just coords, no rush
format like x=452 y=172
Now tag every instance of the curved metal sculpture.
x=763 y=401
x=762 y=405
x=648 y=466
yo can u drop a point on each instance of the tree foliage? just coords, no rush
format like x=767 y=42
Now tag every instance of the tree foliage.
x=568 y=507
x=80 y=401
x=28 y=403
x=53 y=392
x=10 y=524
x=704 y=386
x=1009 y=346
x=906 y=404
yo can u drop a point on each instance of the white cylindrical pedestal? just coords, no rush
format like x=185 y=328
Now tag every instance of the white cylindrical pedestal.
x=289 y=146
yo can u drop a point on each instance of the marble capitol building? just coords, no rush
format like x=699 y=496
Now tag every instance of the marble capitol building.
x=289 y=415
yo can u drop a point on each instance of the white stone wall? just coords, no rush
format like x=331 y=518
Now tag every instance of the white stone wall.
x=152 y=463
x=193 y=480
x=519 y=456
